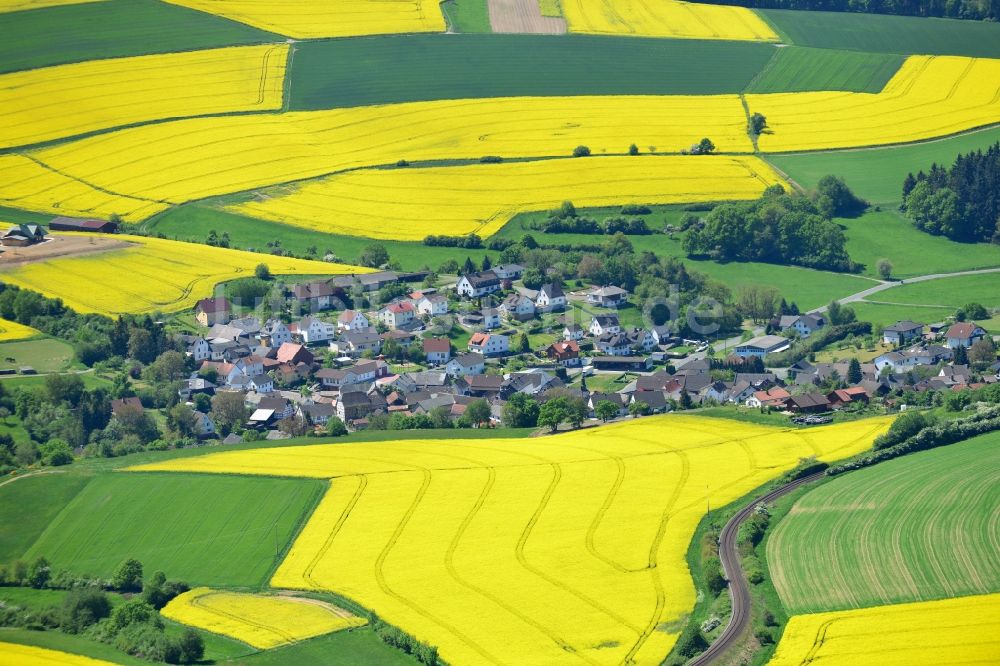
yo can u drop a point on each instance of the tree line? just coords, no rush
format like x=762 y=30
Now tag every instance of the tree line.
x=961 y=202
x=959 y=9
x=780 y=228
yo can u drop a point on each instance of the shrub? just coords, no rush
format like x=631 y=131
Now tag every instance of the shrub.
x=714 y=578
x=581 y=151
x=691 y=642
x=82 y=608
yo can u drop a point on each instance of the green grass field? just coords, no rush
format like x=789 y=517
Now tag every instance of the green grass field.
x=344 y=648
x=467 y=15
x=882 y=314
x=983 y=288
x=877 y=174
x=403 y=68
x=912 y=529
x=200 y=529
x=795 y=68
x=113 y=29
x=886 y=234
x=42 y=354
x=28 y=505
x=808 y=288
x=882 y=33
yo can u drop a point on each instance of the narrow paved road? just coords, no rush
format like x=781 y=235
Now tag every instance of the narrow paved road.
x=739 y=590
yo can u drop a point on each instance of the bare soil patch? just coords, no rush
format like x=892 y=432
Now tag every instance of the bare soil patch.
x=523 y=17
x=59 y=246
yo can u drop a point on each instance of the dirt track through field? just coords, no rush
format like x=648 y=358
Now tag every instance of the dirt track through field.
x=59 y=246
x=523 y=17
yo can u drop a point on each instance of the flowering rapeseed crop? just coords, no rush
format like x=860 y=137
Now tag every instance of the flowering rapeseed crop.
x=11 y=331
x=200 y=157
x=12 y=654
x=261 y=621
x=310 y=19
x=119 y=91
x=549 y=551
x=965 y=630
x=481 y=199
x=21 y=5
x=929 y=96
x=665 y=18
x=151 y=275
x=28 y=185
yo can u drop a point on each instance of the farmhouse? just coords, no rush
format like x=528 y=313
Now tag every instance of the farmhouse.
x=805 y=325
x=550 y=298
x=602 y=324
x=23 y=235
x=437 y=350
x=476 y=285
x=489 y=344
x=902 y=332
x=607 y=297
x=397 y=315
x=351 y=320
x=211 y=311
x=565 y=353
x=317 y=295
x=964 y=334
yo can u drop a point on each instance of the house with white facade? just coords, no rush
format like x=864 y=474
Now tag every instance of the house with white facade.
x=351 y=320
x=489 y=344
x=550 y=298
x=601 y=324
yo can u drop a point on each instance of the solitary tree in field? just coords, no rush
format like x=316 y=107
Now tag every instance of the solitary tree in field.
x=581 y=151
x=633 y=149
x=374 y=256
x=263 y=272
x=757 y=123
x=884 y=267
x=705 y=146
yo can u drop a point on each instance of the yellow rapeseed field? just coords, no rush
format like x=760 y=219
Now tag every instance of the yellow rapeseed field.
x=563 y=550
x=311 y=19
x=260 y=621
x=665 y=18
x=407 y=204
x=55 y=102
x=200 y=157
x=151 y=275
x=28 y=185
x=13 y=654
x=929 y=96
x=11 y=331
x=963 y=631
x=22 y=5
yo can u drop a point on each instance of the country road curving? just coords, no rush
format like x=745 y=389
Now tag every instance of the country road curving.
x=739 y=590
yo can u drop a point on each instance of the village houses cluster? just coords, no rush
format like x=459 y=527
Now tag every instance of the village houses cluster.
x=332 y=362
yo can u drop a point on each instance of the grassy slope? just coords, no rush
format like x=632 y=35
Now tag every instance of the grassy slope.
x=43 y=354
x=802 y=69
x=887 y=234
x=344 y=648
x=915 y=528
x=162 y=521
x=28 y=505
x=882 y=315
x=112 y=29
x=807 y=287
x=984 y=289
x=877 y=174
x=467 y=15
x=402 y=68
x=877 y=33
x=192 y=222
